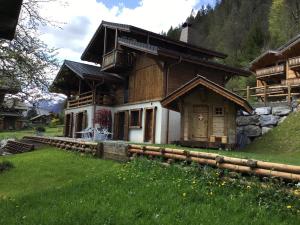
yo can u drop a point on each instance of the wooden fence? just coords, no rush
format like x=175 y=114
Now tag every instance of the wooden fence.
x=249 y=166
x=269 y=93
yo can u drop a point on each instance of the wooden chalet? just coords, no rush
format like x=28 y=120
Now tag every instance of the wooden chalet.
x=9 y=14
x=208 y=113
x=138 y=70
x=278 y=73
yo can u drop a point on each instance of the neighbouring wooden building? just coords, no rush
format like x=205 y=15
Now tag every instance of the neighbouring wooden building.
x=208 y=113
x=9 y=15
x=11 y=113
x=278 y=72
x=138 y=70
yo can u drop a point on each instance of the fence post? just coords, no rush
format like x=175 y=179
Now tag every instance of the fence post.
x=265 y=94
x=248 y=93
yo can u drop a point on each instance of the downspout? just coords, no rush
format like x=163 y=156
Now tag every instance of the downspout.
x=166 y=92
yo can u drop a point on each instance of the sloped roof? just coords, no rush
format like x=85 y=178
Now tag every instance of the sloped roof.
x=94 y=47
x=276 y=54
x=70 y=70
x=9 y=14
x=171 y=100
x=155 y=50
x=86 y=71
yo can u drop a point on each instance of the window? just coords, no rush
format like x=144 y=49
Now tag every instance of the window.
x=219 y=111
x=135 y=118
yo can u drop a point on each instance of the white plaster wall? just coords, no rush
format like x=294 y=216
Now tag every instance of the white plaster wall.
x=137 y=135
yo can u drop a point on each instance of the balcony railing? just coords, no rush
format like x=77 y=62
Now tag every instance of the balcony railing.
x=270 y=92
x=90 y=98
x=294 y=62
x=116 y=59
x=274 y=70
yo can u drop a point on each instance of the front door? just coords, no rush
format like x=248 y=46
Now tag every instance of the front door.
x=200 y=122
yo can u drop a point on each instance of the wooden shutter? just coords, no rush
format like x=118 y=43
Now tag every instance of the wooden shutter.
x=154 y=125
x=116 y=126
x=126 y=126
x=84 y=120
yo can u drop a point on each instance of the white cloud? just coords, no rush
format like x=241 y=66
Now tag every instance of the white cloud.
x=81 y=18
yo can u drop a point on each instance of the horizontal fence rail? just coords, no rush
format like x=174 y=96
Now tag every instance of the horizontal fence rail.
x=250 y=166
x=68 y=144
x=268 y=93
x=247 y=166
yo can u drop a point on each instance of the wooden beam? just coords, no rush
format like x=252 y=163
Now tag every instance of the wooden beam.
x=116 y=39
x=104 y=47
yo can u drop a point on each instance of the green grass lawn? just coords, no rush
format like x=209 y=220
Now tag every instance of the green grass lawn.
x=52 y=186
x=281 y=144
x=18 y=134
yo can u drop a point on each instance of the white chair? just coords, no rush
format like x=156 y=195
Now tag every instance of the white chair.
x=102 y=134
x=86 y=133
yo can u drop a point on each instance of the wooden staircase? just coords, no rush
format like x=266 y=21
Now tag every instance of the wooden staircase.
x=15 y=147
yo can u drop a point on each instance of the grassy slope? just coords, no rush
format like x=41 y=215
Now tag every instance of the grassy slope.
x=281 y=144
x=56 y=187
x=285 y=138
x=21 y=133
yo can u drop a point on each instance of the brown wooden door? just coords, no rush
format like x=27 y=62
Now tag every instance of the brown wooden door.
x=71 y=125
x=126 y=125
x=150 y=117
x=121 y=125
x=116 y=126
x=199 y=122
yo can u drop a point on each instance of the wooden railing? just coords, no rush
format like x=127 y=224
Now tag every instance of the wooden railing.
x=116 y=58
x=294 y=62
x=83 y=99
x=89 y=98
x=270 y=93
x=274 y=70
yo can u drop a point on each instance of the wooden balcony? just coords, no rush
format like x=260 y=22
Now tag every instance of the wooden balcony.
x=116 y=59
x=270 y=93
x=294 y=63
x=270 y=71
x=90 y=98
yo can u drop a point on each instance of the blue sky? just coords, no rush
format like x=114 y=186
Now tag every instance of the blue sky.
x=134 y=3
x=127 y=3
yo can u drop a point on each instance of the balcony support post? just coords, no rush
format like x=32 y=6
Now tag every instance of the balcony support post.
x=248 y=93
x=265 y=94
x=289 y=97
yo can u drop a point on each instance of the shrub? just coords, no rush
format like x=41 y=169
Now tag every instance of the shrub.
x=40 y=129
x=5 y=165
x=54 y=122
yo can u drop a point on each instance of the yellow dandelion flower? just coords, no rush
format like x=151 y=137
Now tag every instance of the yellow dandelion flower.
x=289 y=207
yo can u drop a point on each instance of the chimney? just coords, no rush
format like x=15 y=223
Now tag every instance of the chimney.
x=188 y=34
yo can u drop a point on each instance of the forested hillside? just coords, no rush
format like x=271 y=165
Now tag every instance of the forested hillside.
x=243 y=29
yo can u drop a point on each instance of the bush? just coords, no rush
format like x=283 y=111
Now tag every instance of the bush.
x=40 y=129
x=6 y=165
x=54 y=122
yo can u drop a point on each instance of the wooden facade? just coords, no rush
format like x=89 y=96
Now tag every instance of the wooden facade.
x=149 y=67
x=208 y=113
x=278 y=73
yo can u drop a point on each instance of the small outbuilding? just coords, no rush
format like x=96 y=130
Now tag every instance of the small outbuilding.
x=208 y=113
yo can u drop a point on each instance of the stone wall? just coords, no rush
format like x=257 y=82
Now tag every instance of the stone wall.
x=261 y=121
